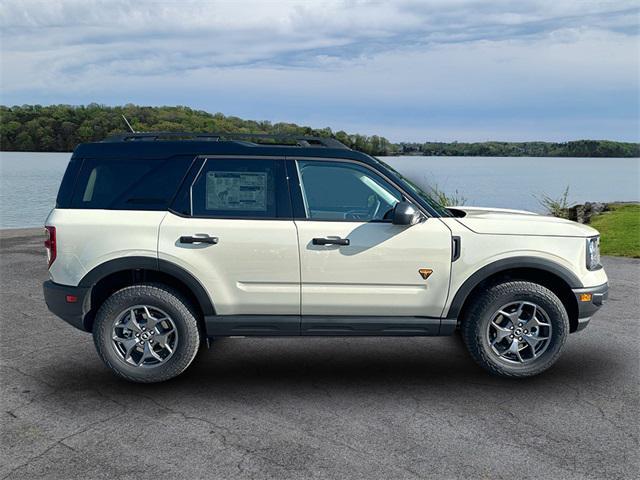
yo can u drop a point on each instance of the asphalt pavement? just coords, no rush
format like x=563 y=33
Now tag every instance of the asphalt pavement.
x=302 y=408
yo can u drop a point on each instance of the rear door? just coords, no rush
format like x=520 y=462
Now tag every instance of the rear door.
x=231 y=227
x=354 y=261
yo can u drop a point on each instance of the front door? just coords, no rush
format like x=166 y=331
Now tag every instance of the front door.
x=354 y=261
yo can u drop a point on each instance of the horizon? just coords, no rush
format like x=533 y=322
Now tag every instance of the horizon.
x=411 y=72
x=124 y=129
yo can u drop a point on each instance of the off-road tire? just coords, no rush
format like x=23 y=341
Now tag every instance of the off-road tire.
x=488 y=301
x=170 y=301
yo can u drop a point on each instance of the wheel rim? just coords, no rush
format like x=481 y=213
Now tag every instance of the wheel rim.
x=144 y=336
x=519 y=332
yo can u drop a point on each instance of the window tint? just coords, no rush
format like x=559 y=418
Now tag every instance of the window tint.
x=345 y=191
x=241 y=188
x=129 y=184
x=422 y=194
x=65 y=192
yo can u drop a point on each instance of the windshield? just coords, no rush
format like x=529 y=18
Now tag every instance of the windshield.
x=415 y=189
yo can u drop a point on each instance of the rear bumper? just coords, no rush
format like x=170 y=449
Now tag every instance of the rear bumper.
x=60 y=302
x=589 y=302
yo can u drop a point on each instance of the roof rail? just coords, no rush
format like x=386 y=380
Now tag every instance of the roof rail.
x=247 y=138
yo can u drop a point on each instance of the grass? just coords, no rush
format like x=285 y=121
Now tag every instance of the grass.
x=447 y=199
x=619 y=230
x=558 y=207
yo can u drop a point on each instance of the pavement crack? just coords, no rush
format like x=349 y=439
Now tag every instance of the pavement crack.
x=61 y=442
x=12 y=367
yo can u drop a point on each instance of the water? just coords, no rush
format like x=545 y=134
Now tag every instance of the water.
x=514 y=182
x=28 y=186
x=29 y=181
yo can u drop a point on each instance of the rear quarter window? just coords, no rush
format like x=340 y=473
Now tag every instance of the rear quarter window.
x=126 y=184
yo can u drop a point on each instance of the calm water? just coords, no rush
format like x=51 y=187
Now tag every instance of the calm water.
x=29 y=181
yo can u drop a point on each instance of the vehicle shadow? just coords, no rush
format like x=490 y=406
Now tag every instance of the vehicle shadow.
x=279 y=368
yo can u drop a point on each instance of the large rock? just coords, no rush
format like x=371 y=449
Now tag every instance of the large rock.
x=583 y=213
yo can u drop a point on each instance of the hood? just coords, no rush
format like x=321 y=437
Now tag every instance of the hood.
x=502 y=221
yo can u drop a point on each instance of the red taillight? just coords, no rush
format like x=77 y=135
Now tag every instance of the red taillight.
x=50 y=244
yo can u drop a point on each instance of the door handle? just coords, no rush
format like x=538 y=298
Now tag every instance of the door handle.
x=203 y=239
x=330 y=241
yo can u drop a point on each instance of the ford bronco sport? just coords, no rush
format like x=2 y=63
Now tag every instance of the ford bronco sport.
x=159 y=242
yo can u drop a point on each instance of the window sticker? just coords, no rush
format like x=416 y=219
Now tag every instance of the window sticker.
x=237 y=191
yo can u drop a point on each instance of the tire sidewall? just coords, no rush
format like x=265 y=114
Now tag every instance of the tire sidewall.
x=152 y=296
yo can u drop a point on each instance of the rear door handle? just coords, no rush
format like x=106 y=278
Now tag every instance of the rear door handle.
x=202 y=239
x=330 y=241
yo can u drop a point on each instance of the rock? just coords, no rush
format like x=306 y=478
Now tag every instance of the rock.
x=583 y=213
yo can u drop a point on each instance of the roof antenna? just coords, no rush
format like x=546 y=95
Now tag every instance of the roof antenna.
x=128 y=124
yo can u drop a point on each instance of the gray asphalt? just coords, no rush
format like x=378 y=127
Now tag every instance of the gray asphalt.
x=313 y=408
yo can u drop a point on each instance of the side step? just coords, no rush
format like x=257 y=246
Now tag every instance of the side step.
x=321 y=325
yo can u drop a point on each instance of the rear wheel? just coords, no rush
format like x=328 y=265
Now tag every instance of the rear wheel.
x=515 y=328
x=146 y=333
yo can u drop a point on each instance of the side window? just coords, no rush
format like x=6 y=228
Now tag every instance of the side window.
x=128 y=184
x=345 y=191
x=241 y=188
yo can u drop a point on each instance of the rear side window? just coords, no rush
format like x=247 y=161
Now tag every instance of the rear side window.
x=136 y=184
x=65 y=192
x=241 y=188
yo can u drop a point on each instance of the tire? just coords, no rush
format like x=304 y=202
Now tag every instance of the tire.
x=489 y=336
x=166 y=349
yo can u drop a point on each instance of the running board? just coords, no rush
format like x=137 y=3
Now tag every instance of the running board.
x=324 y=325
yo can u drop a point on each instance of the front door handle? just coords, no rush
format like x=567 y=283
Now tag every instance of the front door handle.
x=203 y=239
x=330 y=241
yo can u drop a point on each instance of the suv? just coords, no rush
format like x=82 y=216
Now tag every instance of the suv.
x=160 y=242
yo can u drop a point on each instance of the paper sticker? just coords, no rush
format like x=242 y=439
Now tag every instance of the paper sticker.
x=237 y=191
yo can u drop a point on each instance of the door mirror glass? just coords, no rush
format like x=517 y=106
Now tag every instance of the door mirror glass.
x=406 y=213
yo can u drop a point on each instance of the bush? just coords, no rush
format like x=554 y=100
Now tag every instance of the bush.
x=558 y=207
x=444 y=199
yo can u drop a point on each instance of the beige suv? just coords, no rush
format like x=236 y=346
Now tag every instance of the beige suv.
x=161 y=241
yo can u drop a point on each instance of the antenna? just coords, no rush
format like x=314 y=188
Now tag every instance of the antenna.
x=128 y=124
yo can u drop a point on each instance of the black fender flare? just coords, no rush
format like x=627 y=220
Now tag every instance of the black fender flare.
x=498 y=266
x=150 y=263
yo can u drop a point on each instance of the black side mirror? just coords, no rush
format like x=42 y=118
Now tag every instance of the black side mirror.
x=405 y=213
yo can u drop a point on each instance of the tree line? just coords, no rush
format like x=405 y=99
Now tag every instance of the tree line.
x=577 y=148
x=59 y=128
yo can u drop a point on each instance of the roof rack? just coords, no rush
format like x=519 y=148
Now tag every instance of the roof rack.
x=254 y=139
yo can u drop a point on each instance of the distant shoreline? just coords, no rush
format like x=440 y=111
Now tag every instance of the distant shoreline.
x=59 y=128
x=17 y=232
x=389 y=155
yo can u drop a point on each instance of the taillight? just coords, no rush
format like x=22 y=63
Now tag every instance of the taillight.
x=50 y=244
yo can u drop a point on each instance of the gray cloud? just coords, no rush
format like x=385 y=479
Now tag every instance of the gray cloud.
x=415 y=60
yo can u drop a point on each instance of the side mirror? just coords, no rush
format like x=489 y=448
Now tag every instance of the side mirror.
x=405 y=213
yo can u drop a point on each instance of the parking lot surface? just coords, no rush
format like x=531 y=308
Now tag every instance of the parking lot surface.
x=359 y=408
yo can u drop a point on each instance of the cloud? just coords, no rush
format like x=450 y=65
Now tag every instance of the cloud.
x=451 y=67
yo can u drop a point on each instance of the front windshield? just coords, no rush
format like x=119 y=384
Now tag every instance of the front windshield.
x=415 y=189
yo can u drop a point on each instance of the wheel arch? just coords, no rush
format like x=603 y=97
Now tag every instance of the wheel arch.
x=547 y=273
x=113 y=275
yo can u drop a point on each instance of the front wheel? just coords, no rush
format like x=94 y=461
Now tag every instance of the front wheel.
x=515 y=328
x=146 y=333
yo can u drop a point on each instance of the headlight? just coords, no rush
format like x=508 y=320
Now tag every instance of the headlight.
x=593 y=253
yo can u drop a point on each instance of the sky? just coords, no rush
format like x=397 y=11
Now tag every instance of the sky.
x=434 y=70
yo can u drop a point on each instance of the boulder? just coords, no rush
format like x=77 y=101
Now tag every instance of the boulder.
x=583 y=213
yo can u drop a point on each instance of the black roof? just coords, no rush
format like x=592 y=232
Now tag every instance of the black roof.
x=167 y=144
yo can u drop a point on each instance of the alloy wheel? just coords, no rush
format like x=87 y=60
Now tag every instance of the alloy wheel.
x=144 y=336
x=519 y=332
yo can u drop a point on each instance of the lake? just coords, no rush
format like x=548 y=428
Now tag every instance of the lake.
x=29 y=181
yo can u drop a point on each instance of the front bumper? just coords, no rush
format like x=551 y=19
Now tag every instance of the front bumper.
x=589 y=302
x=59 y=300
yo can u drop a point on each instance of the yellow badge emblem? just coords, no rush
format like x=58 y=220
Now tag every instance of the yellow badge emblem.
x=425 y=272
